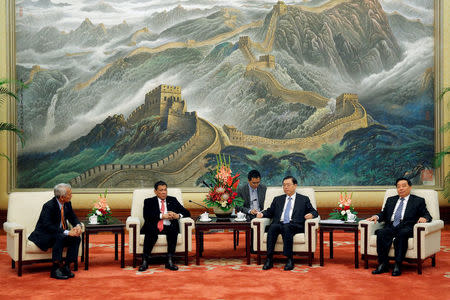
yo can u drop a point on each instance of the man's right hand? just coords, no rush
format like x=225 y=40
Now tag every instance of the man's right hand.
x=74 y=232
x=253 y=211
x=259 y=215
x=373 y=218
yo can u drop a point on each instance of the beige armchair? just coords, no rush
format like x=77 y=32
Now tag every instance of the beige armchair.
x=427 y=236
x=24 y=209
x=136 y=221
x=304 y=243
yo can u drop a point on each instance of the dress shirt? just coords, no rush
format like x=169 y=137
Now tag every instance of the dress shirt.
x=66 y=232
x=405 y=202
x=254 y=204
x=165 y=221
x=292 y=207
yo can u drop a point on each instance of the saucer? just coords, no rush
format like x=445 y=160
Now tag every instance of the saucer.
x=207 y=220
x=240 y=220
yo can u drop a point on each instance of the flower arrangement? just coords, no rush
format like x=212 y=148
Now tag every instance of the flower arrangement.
x=344 y=209
x=222 y=186
x=101 y=210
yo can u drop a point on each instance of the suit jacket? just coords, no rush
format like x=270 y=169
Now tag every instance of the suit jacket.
x=415 y=209
x=48 y=225
x=152 y=212
x=302 y=206
x=244 y=193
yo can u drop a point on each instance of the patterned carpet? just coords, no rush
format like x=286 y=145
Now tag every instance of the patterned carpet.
x=223 y=274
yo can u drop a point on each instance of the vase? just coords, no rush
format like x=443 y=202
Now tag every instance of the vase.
x=222 y=214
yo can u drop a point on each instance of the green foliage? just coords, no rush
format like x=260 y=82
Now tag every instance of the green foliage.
x=6 y=93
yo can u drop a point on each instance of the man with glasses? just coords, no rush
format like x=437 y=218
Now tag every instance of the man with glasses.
x=253 y=193
x=288 y=213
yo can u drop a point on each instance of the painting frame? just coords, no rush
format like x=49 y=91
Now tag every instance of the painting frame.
x=438 y=112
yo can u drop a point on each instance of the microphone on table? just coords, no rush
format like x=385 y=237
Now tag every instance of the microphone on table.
x=198 y=204
x=205 y=184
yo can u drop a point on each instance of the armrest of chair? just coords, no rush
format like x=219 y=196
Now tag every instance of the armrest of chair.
x=258 y=226
x=11 y=227
x=133 y=221
x=433 y=226
x=183 y=221
x=370 y=225
x=314 y=226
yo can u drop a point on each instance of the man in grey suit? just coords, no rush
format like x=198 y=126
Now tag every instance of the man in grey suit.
x=253 y=193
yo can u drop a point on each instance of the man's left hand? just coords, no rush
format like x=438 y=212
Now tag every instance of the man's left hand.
x=422 y=220
x=308 y=216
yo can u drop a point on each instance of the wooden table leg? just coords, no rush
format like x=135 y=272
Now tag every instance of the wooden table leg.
x=356 y=251
x=197 y=246
x=116 y=246
x=82 y=247
x=86 y=252
x=247 y=244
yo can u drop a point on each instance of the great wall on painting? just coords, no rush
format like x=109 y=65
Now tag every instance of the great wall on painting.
x=185 y=165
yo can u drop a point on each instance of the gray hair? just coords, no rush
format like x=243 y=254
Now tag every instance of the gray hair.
x=61 y=189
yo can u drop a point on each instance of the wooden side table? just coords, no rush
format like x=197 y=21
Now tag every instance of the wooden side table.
x=96 y=228
x=201 y=227
x=330 y=226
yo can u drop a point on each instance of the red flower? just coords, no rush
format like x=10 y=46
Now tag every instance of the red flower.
x=346 y=207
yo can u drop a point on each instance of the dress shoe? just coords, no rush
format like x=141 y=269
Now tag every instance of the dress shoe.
x=144 y=265
x=58 y=274
x=170 y=264
x=289 y=265
x=67 y=272
x=268 y=264
x=397 y=270
x=382 y=268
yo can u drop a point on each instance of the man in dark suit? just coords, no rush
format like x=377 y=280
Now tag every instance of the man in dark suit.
x=400 y=213
x=52 y=231
x=253 y=193
x=288 y=213
x=161 y=215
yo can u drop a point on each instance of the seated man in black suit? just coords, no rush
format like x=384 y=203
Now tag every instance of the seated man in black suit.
x=161 y=215
x=52 y=231
x=253 y=193
x=288 y=213
x=400 y=213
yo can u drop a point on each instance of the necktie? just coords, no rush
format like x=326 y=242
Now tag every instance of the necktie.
x=160 y=222
x=63 y=222
x=286 y=217
x=398 y=213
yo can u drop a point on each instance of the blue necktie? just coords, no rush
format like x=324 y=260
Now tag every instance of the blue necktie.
x=286 y=218
x=398 y=213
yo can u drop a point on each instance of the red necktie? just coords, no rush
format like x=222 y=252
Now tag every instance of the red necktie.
x=160 y=222
x=63 y=223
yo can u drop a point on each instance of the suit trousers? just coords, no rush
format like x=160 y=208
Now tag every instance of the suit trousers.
x=399 y=236
x=287 y=232
x=71 y=242
x=171 y=232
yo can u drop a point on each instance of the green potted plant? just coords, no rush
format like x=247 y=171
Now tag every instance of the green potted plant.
x=440 y=155
x=5 y=94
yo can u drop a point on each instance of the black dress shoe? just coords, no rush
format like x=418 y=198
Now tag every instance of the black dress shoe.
x=289 y=265
x=144 y=265
x=58 y=274
x=67 y=272
x=170 y=264
x=397 y=270
x=382 y=268
x=268 y=264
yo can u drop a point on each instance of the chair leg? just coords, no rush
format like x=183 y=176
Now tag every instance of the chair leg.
x=13 y=264
x=366 y=262
x=75 y=266
x=186 y=260
x=433 y=260
x=419 y=266
x=310 y=259
x=134 y=260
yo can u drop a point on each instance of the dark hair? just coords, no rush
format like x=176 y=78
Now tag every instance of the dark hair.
x=253 y=174
x=158 y=183
x=403 y=178
x=294 y=181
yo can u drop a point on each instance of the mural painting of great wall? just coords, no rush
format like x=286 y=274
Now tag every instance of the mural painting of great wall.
x=323 y=136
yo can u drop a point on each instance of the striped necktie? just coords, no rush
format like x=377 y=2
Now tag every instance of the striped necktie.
x=398 y=213
x=286 y=217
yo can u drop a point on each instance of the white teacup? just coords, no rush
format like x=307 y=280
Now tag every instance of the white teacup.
x=93 y=219
x=351 y=217
x=240 y=215
x=204 y=216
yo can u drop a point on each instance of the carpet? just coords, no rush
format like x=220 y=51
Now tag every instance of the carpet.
x=223 y=274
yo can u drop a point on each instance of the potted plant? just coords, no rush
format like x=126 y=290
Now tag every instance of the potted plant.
x=440 y=155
